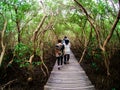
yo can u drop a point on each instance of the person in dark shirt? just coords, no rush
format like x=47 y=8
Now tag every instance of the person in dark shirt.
x=59 y=51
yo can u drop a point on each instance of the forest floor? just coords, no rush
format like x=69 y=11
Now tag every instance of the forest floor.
x=98 y=78
x=16 y=78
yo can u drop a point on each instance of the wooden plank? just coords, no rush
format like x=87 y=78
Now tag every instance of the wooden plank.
x=68 y=81
x=76 y=88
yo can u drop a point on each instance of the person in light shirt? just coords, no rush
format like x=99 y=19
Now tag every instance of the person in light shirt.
x=66 y=51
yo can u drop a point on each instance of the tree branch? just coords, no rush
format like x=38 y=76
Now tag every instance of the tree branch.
x=90 y=21
x=112 y=29
x=8 y=83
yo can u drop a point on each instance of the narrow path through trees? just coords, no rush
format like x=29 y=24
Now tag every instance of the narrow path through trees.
x=70 y=77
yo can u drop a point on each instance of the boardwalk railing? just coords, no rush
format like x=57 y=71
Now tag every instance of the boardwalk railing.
x=70 y=77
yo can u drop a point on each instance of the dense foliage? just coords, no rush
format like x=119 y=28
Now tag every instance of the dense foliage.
x=29 y=30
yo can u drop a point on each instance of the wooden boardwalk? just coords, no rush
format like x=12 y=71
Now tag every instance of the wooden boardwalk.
x=70 y=77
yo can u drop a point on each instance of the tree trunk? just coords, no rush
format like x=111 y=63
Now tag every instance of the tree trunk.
x=2 y=43
x=86 y=45
x=35 y=33
x=118 y=35
x=18 y=24
x=19 y=32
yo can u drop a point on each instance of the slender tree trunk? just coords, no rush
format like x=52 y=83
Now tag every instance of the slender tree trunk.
x=2 y=43
x=18 y=24
x=19 y=32
x=106 y=61
x=85 y=45
x=35 y=33
x=42 y=59
x=118 y=35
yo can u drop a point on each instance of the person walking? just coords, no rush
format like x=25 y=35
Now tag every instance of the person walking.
x=65 y=38
x=59 y=50
x=66 y=51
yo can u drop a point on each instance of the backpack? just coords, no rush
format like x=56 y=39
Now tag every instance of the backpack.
x=59 y=49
